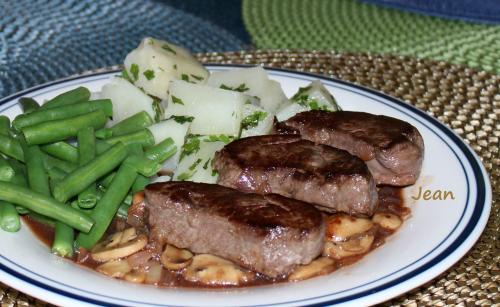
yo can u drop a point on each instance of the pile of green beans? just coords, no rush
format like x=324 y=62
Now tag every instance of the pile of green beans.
x=61 y=166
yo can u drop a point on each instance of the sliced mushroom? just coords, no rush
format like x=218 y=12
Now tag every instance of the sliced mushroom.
x=320 y=266
x=136 y=276
x=212 y=270
x=339 y=250
x=115 y=268
x=339 y=227
x=174 y=258
x=119 y=245
x=387 y=220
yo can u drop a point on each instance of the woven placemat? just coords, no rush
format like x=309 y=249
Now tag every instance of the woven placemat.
x=466 y=100
x=353 y=26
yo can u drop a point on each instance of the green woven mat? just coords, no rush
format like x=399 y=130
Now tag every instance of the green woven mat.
x=348 y=25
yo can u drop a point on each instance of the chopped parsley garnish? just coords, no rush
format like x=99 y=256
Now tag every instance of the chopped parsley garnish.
x=214 y=173
x=192 y=145
x=185 y=77
x=240 y=88
x=197 y=77
x=185 y=176
x=175 y=66
x=253 y=119
x=182 y=119
x=194 y=165
x=158 y=109
x=177 y=100
x=134 y=70
x=301 y=91
x=125 y=76
x=313 y=105
x=205 y=166
x=248 y=101
x=149 y=74
x=168 y=48
x=219 y=138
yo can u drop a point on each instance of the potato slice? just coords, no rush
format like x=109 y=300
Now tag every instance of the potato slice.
x=213 y=111
x=212 y=270
x=387 y=220
x=339 y=227
x=315 y=96
x=252 y=81
x=154 y=63
x=174 y=258
x=196 y=162
x=115 y=268
x=127 y=99
x=320 y=266
x=256 y=121
x=339 y=250
x=119 y=245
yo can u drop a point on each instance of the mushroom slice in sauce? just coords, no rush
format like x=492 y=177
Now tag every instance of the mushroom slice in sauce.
x=115 y=268
x=320 y=266
x=339 y=250
x=339 y=227
x=119 y=245
x=212 y=270
x=387 y=220
x=174 y=258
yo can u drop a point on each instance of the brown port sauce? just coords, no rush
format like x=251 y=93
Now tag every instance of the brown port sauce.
x=390 y=201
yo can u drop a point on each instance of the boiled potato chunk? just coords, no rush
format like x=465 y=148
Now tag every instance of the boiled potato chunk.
x=154 y=63
x=315 y=96
x=213 y=110
x=256 y=121
x=177 y=131
x=196 y=159
x=127 y=99
x=253 y=82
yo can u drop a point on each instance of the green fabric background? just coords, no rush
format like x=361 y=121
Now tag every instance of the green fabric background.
x=352 y=26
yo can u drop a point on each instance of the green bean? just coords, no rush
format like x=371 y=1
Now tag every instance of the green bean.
x=130 y=124
x=21 y=210
x=11 y=147
x=140 y=183
x=38 y=180
x=6 y=170
x=107 y=206
x=161 y=151
x=84 y=175
x=106 y=181
x=64 y=112
x=63 y=240
x=123 y=210
x=143 y=165
x=143 y=137
x=61 y=150
x=50 y=162
x=19 y=179
x=4 y=125
x=79 y=94
x=28 y=104
x=45 y=205
x=101 y=146
x=9 y=218
x=103 y=133
x=86 y=153
x=59 y=130
x=42 y=219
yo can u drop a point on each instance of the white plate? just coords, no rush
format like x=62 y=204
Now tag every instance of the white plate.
x=437 y=235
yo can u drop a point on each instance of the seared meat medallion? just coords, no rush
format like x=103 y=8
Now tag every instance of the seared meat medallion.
x=270 y=234
x=296 y=168
x=393 y=149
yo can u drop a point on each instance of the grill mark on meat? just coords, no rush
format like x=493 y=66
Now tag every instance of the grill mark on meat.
x=393 y=149
x=292 y=167
x=269 y=234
